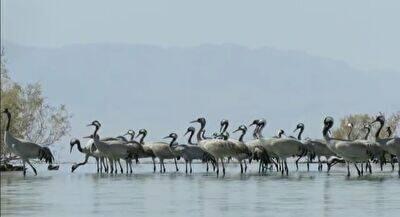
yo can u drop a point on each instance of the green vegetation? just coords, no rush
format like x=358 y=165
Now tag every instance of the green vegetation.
x=359 y=121
x=33 y=118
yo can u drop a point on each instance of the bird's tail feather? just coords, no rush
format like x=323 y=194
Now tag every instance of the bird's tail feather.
x=46 y=155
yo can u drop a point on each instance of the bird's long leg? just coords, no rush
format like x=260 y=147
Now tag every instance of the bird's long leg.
x=23 y=167
x=319 y=164
x=97 y=164
x=116 y=166
x=120 y=166
x=126 y=164
x=362 y=168
x=297 y=163
x=275 y=163
x=392 y=161
x=130 y=166
x=358 y=170
x=369 y=168
x=33 y=168
x=223 y=167
x=161 y=168
x=245 y=166
x=101 y=164
x=106 y=164
x=154 y=165
x=286 y=168
x=186 y=164
x=111 y=165
x=75 y=166
x=241 y=166
x=259 y=167
x=176 y=165
x=207 y=165
x=398 y=162
x=217 y=166
x=348 y=168
x=190 y=164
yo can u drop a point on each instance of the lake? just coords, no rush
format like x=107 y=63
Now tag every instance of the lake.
x=143 y=193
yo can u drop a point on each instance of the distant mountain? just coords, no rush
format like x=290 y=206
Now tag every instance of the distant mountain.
x=162 y=89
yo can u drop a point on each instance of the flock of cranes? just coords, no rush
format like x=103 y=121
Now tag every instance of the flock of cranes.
x=271 y=153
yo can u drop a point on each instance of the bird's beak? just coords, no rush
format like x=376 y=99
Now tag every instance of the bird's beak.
x=235 y=130
x=70 y=150
x=295 y=130
x=374 y=122
x=89 y=125
x=251 y=124
x=166 y=137
x=87 y=137
x=138 y=135
x=195 y=121
x=186 y=133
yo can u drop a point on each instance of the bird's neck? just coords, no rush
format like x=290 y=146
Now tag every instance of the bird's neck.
x=259 y=132
x=142 y=139
x=190 y=138
x=224 y=128
x=379 y=130
x=78 y=145
x=366 y=135
x=325 y=134
x=241 y=136
x=172 y=142
x=202 y=125
x=95 y=137
x=300 y=133
x=255 y=133
x=132 y=137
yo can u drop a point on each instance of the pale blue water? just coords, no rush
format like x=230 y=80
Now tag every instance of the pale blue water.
x=86 y=193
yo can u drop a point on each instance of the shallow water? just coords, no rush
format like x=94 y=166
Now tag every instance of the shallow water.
x=86 y=193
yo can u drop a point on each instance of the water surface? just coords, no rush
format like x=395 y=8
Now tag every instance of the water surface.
x=86 y=193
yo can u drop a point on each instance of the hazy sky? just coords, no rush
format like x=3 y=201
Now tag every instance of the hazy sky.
x=364 y=33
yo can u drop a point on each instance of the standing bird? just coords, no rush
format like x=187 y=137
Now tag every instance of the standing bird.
x=284 y=148
x=147 y=151
x=192 y=151
x=108 y=139
x=241 y=149
x=89 y=150
x=319 y=148
x=390 y=145
x=306 y=145
x=24 y=149
x=259 y=146
x=115 y=149
x=218 y=148
x=351 y=151
x=163 y=151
